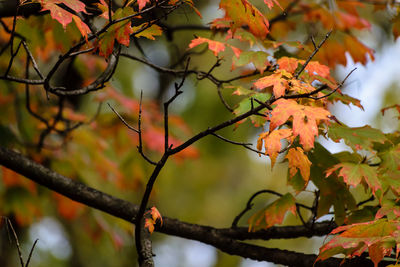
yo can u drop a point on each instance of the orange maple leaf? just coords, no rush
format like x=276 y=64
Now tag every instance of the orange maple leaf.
x=243 y=13
x=315 y=68
x=299 y=161
x=272 y=142
x=276 y=80
x=288 y=63
x=305 y=120
x=214 y=46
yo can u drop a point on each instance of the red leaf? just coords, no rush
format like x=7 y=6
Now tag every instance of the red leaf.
x=60 y=14
x=143 y=3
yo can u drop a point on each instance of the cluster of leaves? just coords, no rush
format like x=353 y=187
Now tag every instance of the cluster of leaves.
x=301 y=91
x=289 y=94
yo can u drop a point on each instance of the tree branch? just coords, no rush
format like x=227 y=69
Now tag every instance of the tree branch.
x=223 y=239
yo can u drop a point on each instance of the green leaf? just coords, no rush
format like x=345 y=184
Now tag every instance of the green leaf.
x=390 y=158
x=353 y=174
x=258 y=58
x=333 y=192
x=273 y=214
x=246 y=104
x=357 y=138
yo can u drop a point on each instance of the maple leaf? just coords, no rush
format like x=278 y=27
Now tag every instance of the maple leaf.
x=258 y=58
x=82 y=27
x=120 y=31
x=214 y=46
x=151 y=217
x=353 y=174
x=390 y=158
x=305 y=120
x=299 y=161
x=377 y=236
x=61 y=15
x=272 y=142
x=356 y=137
x=246 y=104
x=148 y=33
x=273 y=214
x=388 y=208
x=315 y=68
x=276 y=80
x=345 y=99
x=243 y=13
x=289 y=64
x=143 y=3
x=358 y=51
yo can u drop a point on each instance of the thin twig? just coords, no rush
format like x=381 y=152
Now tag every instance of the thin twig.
x=35 y=66
x=245 y=145
x=123 y=120
x=312 y=55
x=168 y=102
x=140 y=146
x=27 y=96
x=30 y=253
x=21 y=260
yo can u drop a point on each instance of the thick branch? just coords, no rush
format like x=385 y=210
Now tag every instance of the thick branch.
x=222 y=239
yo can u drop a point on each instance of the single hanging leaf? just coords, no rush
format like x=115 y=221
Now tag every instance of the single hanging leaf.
x=357 y=137
x=358 y=51
x=82 y=27
x=299 y=161
x=276 y=80
x=345 y=99
x=273 y=214
x=305 y=120
x=149 y=33
x=272 y=142
x=243 y=13
x=61 y=15
x=353 y=174
x=390 y=158
x=214 y=46
x=333 y=191
x=258 y=58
